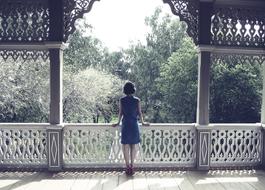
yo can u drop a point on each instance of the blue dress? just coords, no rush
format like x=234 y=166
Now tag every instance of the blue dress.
x=130 y=129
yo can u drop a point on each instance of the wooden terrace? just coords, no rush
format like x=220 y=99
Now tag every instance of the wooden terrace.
x=142 y=180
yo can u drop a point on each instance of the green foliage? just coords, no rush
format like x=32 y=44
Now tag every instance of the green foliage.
x=166 y=33
x=83 y=51
x=24 y=87
x=90 y=95
x=178 y=84
x=235 y=92
x=115 y=63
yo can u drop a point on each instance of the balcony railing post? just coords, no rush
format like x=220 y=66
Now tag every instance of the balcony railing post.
x=263 y=116
x=204 y=62
x=203 y=147
x=55 y=148
x=54 y=132
x=262 y=153
x=263 y=96
x=203 y=88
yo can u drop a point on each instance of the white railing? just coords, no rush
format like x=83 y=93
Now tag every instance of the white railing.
x=236 y=145
x=88 y=145
x=23 y=145
x=162 y=145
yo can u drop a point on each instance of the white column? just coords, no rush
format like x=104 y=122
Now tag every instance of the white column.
x=263 y=96
x=204 y=63
x=56 y=69
x=203 y=88
x=55 y=131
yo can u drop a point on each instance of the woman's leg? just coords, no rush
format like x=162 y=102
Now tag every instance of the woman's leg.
x=133 y=153
x=126 y=150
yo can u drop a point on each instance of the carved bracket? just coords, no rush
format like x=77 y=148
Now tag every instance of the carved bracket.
x=74 y=9
x=188 y=11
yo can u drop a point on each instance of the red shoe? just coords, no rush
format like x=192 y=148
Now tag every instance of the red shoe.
x=128 y=170
x=132 y=170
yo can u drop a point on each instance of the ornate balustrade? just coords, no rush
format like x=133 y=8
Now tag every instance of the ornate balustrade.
x=23 y=145
x=236 y=145
x=162 y=145
x=170 y=145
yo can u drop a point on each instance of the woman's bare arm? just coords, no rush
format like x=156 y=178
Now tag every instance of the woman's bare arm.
x=141 y=114
x=119 y=115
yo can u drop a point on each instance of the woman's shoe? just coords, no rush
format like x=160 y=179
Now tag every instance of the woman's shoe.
x=131 y=170
x=128 y=170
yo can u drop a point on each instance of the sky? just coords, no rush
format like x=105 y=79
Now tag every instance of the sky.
x=117 y=22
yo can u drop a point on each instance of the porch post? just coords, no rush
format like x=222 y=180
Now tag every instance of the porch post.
x=263 y=96
x=204 y=62
x=262 y=117
x=54 y=132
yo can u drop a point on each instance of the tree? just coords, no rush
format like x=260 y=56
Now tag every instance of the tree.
x=116 y=64
x=166 y=33
x=235 y=92
x=91 y=96
x=24 y=91
x=178 y=85
x=83 y=51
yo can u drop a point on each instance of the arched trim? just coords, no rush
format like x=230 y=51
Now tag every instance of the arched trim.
x=188 y=11
x=74 y=9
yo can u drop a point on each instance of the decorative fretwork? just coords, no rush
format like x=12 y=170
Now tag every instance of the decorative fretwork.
x=23 y=146
x=234 y=26
x=74 y=9
x=92 y=145
x=188 y=11
x=25 y=54
x=236 y=147
x=100 y=145
x=237 y=58
x=168 y=145
x=24 y=21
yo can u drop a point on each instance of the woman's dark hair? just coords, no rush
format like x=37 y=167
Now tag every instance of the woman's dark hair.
x=129 y=88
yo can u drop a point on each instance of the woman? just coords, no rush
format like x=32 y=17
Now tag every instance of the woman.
x=129 y=110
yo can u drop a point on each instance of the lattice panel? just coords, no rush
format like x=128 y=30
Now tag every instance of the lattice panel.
x=74 y=9
x=236 y=147
x=23 y=146
x=25 y=54
x=95 y=145
x=237 y=58
x=24 y=21
x=238 y=27
x=101 y=146
x=188 y=11
x=173 y=145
